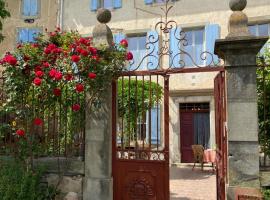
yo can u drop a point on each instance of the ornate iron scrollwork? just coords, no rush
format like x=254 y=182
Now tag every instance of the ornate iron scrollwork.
x=158 y=47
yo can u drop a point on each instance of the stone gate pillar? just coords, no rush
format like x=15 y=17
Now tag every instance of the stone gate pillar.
x=98 y=135
x=239 y=50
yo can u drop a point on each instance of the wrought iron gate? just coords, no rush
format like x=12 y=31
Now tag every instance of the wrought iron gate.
x=141 y=137
x=221 y=135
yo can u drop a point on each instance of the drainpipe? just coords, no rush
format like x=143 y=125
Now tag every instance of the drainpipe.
x=60 y=14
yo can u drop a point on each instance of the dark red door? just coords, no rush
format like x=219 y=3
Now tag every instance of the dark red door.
x=186 y=136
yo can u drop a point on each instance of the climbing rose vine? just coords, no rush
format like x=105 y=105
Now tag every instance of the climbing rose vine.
x=57 y=66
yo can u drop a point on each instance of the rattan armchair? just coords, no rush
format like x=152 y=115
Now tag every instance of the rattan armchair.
x=198 y=151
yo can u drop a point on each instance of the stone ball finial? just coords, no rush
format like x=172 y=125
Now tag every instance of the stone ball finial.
x=238 y=5
x=104 y=15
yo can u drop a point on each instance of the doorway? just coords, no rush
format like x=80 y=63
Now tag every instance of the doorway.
x=194 y=128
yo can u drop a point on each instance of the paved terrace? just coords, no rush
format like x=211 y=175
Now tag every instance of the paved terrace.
x=186 y=184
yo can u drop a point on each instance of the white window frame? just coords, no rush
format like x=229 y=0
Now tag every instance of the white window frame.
x=257 y=27
x=101 y=4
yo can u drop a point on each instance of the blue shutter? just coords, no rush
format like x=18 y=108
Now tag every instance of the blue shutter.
x=212 y=32
x=155 y=125
x=32 y=34
x=117 y=3
x=22 y=35
x=153 y=58
x=174 y=47
x=148 y=1
x=26 y=7
x=34 y=8
x=94 y=5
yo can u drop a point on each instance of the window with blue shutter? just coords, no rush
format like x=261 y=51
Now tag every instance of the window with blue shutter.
x=27 y=35
x=155 y=125
x=137 y=46
x=30 y=8
x=198 y=40
x=109 y=4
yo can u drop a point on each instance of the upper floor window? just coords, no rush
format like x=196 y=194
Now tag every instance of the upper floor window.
x=137 y=45
x=109 y=4
x=197 y=49
x=27 y=34
x=260 y=29
x=30 y=8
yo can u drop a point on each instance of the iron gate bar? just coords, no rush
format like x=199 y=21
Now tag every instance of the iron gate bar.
x=171 y=71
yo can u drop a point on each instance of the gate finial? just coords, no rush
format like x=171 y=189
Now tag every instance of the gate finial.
x=102 y=34
x=238 y=23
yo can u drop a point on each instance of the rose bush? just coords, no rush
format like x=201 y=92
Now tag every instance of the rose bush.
x=54 y=73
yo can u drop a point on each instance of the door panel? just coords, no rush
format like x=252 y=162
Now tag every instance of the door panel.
x=186 y=136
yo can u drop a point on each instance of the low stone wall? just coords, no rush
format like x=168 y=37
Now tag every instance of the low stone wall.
x=65 y=174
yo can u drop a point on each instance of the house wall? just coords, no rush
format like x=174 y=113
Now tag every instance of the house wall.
x=47 y=18
x=135 y=16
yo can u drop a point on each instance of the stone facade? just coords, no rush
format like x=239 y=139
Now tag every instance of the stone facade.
x=136 y=17
x=47 y=18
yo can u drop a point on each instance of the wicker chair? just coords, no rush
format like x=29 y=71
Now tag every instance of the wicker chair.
x=198 y=151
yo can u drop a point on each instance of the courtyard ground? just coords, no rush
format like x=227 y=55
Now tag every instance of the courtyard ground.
x=186 y=184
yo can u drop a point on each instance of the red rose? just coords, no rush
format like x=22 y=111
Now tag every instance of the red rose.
x=79 y=87
x=51 y=46
x=38 y=121
x=124 y=43
x=20 y=132
x=76 y=107
x=52 y=73
x=38 y=68
x=129 y=56
x=58 y=76
x=39 y=73
x=84 y=52
x=46 y=64
x=92 y=50
x=83 y=41
x=96 y=58
x=10 y=59
x=47 y=51
x=68 y=77
x=92 y=75
x=75 y=58
x=57 y=92
x=37 y=81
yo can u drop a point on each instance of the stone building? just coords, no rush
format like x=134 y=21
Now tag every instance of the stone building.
x=28 y=17
x=203 y=22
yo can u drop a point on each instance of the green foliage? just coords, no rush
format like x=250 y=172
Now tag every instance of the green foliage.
x=263 y=89
x=18 y=183
x=266 y=194
x=135 y=98
x=3 y=15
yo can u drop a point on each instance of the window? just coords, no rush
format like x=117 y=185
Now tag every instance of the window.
x=156 y=1
x=30 y=8
x=137 y=45
x=199 y=45
x=260 y=30
x=194 y=47
x=109 y=4
x=27 y=34
x=105 y=3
